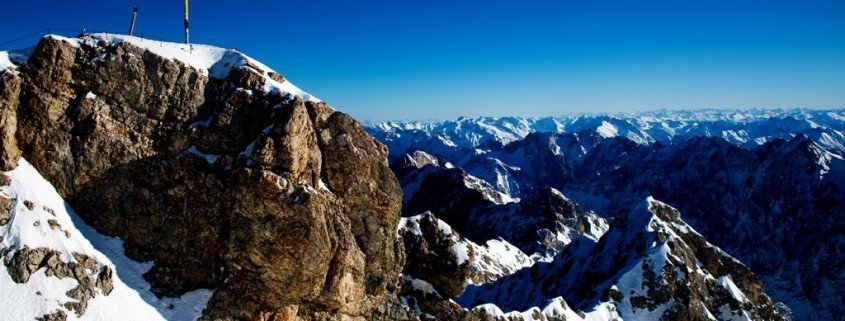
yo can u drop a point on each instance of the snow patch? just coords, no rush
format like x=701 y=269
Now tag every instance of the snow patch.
x=607 y=130
x=210 y=158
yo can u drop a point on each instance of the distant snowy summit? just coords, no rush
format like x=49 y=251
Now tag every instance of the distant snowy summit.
x=745 y=128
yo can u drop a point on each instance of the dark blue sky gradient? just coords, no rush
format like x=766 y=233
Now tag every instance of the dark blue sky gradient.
x=442 y=59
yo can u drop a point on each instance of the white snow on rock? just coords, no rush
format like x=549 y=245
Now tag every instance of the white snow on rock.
x=129 y=300
x=212 y=61
x=607 y=130
x=421 y=285
x=5 y=62
x=497 y=258
x=556 y=308
x=411 y=224
x=11 y=60
x=728 y=283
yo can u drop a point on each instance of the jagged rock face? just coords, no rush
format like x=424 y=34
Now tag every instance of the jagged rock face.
x=543 y=222
x=649 y=264
x=9 y=89
x=287 y=207
x=445 y=192
x=437 y=269
x=435 y=254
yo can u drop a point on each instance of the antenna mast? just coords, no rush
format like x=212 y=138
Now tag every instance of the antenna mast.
x=132 y=24
x=187 y=38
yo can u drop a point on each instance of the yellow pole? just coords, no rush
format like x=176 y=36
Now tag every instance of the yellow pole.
x=187 y=38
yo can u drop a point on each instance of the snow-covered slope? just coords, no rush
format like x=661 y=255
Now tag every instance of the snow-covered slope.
x=55 y=264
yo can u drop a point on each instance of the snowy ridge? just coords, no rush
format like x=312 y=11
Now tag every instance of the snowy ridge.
x=616 y=280
x=745 y=128
x=495 y=259
x=212 y=61
x=11 y=60
x=39 y=218
x=5 y=62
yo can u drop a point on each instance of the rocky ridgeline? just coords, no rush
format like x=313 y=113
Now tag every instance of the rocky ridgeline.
x=647 y=264
x=286 y=207
x=650 y=265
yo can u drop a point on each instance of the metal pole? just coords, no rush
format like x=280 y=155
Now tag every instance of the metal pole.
x=134 y=15
x=187 y=38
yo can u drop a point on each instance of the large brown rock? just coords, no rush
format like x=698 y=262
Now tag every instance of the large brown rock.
x=286 y=207
x=10 y=85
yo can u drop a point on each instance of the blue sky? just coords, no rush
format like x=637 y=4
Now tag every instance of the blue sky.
x=409 y=59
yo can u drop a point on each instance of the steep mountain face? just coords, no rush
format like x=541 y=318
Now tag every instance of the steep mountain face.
x=213 y=167
x=760 y=199
x=649 y=265
x=541 y=224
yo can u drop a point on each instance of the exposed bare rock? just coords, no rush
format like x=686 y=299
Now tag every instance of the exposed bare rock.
x=10 y=85
x=92 y=277
x=55 y=316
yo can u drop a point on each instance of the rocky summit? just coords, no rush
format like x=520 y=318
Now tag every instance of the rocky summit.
x=209 y=165
x=146 y=180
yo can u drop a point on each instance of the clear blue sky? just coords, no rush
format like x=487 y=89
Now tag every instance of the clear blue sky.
x=413 y=59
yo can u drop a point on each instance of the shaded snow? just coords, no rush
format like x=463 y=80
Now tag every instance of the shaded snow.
x=210 y=158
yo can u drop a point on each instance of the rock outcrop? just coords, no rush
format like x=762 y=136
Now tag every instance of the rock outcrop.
x=226 y=180
x=436 y=254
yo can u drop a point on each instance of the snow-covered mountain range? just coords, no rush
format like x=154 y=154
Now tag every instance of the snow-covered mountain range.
x=767 y=186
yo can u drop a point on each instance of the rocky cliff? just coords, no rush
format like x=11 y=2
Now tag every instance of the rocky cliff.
x=216 y=169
